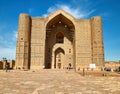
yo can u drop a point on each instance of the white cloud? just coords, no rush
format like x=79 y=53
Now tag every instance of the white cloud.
x=51 y=9
x=77 y=12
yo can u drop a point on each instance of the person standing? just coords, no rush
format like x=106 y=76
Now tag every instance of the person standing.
x=6 y=67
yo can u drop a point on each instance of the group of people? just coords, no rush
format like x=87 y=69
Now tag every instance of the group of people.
x=110 y=69
x=69 y=66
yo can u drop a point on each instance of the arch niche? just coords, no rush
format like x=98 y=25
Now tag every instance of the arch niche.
x=59 y=42
x=59 y=58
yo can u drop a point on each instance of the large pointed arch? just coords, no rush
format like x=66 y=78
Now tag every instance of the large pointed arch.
x=62 y=16
x=59 y=25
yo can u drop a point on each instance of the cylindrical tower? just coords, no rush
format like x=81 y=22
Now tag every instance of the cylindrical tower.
x=23 y=42
x=97 y=41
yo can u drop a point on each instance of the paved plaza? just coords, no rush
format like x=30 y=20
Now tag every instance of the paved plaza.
x=56 y=82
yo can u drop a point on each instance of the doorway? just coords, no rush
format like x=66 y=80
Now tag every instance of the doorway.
x=59 y=58
x=59 y=65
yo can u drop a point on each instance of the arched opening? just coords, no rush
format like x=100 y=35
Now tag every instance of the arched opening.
x=59 y=58
x=59 y=33
x=59 y=37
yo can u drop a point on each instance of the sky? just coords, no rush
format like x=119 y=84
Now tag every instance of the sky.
x=109 y=10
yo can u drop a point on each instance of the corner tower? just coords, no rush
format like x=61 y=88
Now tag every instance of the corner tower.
x=97 y=41
x=23 y=42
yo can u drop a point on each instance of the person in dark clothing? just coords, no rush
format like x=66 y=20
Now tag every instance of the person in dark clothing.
x=6 y=67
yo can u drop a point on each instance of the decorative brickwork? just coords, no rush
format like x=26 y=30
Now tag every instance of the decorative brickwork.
x=59 y=40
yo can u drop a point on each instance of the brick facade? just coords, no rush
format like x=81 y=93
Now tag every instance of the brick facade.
x=59 y=40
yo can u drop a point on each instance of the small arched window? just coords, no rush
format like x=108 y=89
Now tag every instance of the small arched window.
x=59 y=37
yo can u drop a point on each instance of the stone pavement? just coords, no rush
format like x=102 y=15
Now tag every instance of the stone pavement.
x=56 y=82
